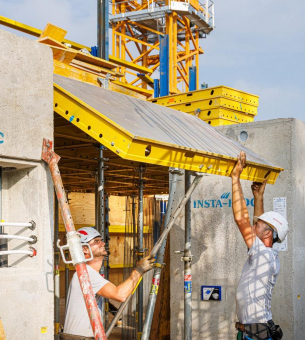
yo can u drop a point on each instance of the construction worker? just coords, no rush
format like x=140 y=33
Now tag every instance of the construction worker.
x=77 y=324
x=259 y=274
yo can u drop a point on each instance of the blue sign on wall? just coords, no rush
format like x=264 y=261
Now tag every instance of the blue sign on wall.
x=222 y=202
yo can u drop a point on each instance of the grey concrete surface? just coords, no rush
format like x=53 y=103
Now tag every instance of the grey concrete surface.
x=25 y=87
x=26 y=117
x=219 y=250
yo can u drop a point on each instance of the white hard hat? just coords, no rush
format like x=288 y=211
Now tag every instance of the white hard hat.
x=277 y=222
x=87 y=234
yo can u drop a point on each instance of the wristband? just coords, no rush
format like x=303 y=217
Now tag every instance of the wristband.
x=139 y=270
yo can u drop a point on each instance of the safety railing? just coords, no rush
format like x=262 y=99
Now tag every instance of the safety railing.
x=31 y=225
x=31 y=252
x=31 y=240
x=208 y=7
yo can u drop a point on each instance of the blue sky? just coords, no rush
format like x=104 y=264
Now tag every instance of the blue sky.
x=257 y=46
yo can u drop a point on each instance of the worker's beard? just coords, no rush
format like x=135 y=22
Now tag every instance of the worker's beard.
x=100 y=252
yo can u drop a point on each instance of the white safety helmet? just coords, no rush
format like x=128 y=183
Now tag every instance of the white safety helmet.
x=87 y=234
x=276 y=222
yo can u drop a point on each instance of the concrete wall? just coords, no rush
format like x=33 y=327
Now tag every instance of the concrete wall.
x=26 y=117
x=219 y=250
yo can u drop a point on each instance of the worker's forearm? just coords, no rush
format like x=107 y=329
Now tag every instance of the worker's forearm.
x=127 y=287
x=258 y=206
x=239 y=206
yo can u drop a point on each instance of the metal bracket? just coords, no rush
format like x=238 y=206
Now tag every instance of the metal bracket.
x=33 y=225
x=66 y=247
x=159 y=265
x=104 y=81
x=184 y=258
x=34 y=239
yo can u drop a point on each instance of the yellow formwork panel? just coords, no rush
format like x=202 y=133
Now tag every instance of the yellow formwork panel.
x=218 y=102
x=223 y=114
x=220 y=121
x=209 y=93
x=54 y=32
x=140 y=131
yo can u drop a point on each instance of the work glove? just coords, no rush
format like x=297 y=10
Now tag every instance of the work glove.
x=145 y=265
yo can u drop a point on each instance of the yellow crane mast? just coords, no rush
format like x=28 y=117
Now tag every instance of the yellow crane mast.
x=138 y=28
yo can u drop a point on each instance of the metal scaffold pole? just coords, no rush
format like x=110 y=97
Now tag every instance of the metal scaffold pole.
x=67 y=268
x=103 y=29
x=160 y=257
x=1 y=228
x=101 y=216
x=158 y=244
x=57 y=274
x=74 y=242
x=106 y=259
x=187 y=258
x=140 y=251
x=133 y=204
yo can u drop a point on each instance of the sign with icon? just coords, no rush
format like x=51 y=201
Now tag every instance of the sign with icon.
x=211 y=293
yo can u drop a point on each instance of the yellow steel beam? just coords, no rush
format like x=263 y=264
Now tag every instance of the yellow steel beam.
x=113 y=229
x=35 y=31
x=157 y=43
x=207 y=104
x=137 y=40
x=221 y=113
x=209 y=93
x=130 y=65
x=134 y=88
x=148 y=80
x=143 y=149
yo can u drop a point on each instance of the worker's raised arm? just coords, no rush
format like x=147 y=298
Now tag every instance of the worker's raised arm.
x=121 y=292
x=258 y=190
x=240 y=211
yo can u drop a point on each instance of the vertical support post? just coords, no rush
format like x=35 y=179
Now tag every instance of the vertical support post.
x=160 y=257
x=156 y=88
x=96 y=203
x=207 y=11
x=187 y=265
x=140 y=250
x=103 y=29
x=67 y=268
x=197 y=60
x=1 y=228
x=193 y=78
x=133 y=204
x=101 y=217
x=77 y=254
x=213 y=16
x=57 y=273
x=106 y=259
x=3 y=242
x=164 y=65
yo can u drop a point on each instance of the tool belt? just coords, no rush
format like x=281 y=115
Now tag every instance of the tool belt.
x=261 y=331
x=65 y=336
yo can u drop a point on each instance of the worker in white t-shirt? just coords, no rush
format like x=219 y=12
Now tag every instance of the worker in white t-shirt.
x=77 y=322
x=259 y=274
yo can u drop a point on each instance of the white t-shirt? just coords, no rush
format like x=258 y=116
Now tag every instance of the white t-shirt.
x=77 y=321
x=258 y=277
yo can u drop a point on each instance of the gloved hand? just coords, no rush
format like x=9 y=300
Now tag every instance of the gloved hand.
x=145 y=264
